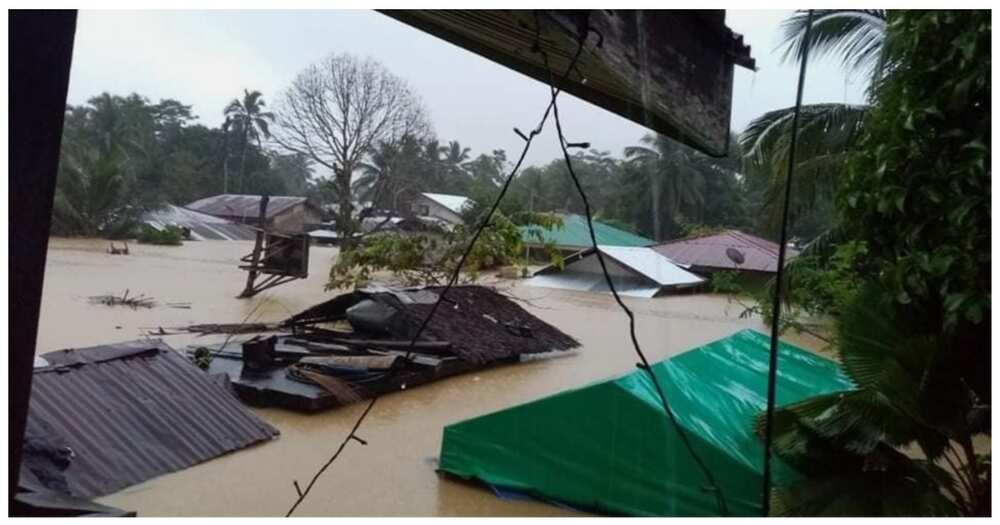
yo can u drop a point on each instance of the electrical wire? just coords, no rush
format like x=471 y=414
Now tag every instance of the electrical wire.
x=709 y=477
x=772 y=371
x=555 y=91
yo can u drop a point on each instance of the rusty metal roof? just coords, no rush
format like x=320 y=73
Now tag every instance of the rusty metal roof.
x=710 y=252
x=668 y=70
x=244 y=206
x=201 y=225
x=132 y=411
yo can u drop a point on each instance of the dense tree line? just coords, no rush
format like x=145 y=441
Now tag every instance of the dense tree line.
x=370 y=143
x=123 y=155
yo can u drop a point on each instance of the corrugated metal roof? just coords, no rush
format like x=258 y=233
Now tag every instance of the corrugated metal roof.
x=202 y=225
x=635 y=271
x=455 y=203
x=652 y=265
x=710 y=251
x=243 y=206
x=575 y=234
x=132 y=411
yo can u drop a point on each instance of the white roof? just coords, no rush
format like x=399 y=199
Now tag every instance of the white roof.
x=455 y=203
x=651 y=264
x=655 y=273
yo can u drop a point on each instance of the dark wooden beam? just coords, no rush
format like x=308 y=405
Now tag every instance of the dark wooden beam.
x=41 y=48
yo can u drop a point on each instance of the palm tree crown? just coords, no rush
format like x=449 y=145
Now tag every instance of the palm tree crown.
x=248 y=118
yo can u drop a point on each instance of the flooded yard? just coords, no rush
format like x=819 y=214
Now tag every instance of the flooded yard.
x=394 y=475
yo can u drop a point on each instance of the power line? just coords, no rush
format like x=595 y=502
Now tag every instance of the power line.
x=772 y=370
x=713 y=486
x=302 y=494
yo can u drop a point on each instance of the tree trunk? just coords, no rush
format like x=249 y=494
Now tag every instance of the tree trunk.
x=243 y=161
x=655 y=194
x=345 y=223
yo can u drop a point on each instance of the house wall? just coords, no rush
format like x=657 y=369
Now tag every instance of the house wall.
x=295 y=219
x=433 y=209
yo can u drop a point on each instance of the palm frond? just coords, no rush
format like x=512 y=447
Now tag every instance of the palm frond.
x=853 y=35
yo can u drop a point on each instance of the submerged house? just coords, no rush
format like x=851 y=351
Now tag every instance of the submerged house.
x=729 y=250
x=196 y=225
x=609 y=446
x=358 y=345
x=574 y=235
x=440 y=206
x=636 y=271
x=284 y=214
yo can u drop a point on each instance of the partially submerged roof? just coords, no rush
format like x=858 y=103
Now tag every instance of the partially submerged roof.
x=716 y=252
x=481 y=325
x=455 y=203
x=574 y=233
x=202 y=225
x=670 y=71
x=116 y=415
x=635 y=271
x=244 y=206
x=609 y=446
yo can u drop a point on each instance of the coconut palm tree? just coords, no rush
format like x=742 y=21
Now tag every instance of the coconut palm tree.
x=671 y=175
x=92 y=193
x=454 y=157
x=826 y=131
x=248 y=118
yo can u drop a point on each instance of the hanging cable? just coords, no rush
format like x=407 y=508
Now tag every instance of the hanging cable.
x=709 y=478
x=772 y=370
x=352 y=435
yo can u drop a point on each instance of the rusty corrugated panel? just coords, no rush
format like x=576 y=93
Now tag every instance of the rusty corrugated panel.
x=133 y=411
x=244 y=206
x=670 y=71
x=709 y=252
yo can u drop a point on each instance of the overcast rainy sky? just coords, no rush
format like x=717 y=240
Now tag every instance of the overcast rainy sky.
x=207 y=58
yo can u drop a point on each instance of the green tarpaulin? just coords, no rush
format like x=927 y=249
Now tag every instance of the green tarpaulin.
x=608 y=447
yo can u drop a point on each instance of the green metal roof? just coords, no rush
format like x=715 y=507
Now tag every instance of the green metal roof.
x=574 y=233
x=609 y=447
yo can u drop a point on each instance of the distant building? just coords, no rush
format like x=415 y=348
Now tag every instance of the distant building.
x=442 y=206
x=729 y=250
x=574 y=235
x=196 y=225
x=635 y=271
x=284 y=214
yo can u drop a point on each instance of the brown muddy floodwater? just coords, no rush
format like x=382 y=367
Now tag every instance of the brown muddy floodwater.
x=394 y=475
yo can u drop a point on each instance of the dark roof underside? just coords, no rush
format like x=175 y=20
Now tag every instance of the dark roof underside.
x=670 y=71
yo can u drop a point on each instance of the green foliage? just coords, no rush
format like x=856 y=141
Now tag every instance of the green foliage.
x=848 y=444
x=914 y=337
x=918 y=191
x=123 y=155
x=93 y=195
x=168 y=236
x=428 y=259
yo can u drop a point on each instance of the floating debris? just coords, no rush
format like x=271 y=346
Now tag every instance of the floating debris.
x=311 y=363
x=135 y=301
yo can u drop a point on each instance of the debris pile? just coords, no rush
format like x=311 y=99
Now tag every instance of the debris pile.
x=358 y=345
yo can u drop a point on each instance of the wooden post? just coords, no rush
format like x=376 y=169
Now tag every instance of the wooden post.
x=257 y=247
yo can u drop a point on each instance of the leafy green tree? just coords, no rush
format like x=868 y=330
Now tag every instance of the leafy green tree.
x=249 y=120
x=915 y=338
x=92 y=195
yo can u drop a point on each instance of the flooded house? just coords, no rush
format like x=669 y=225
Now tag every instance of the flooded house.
x=574 y=235
x=440 y=207
x=284 y=213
